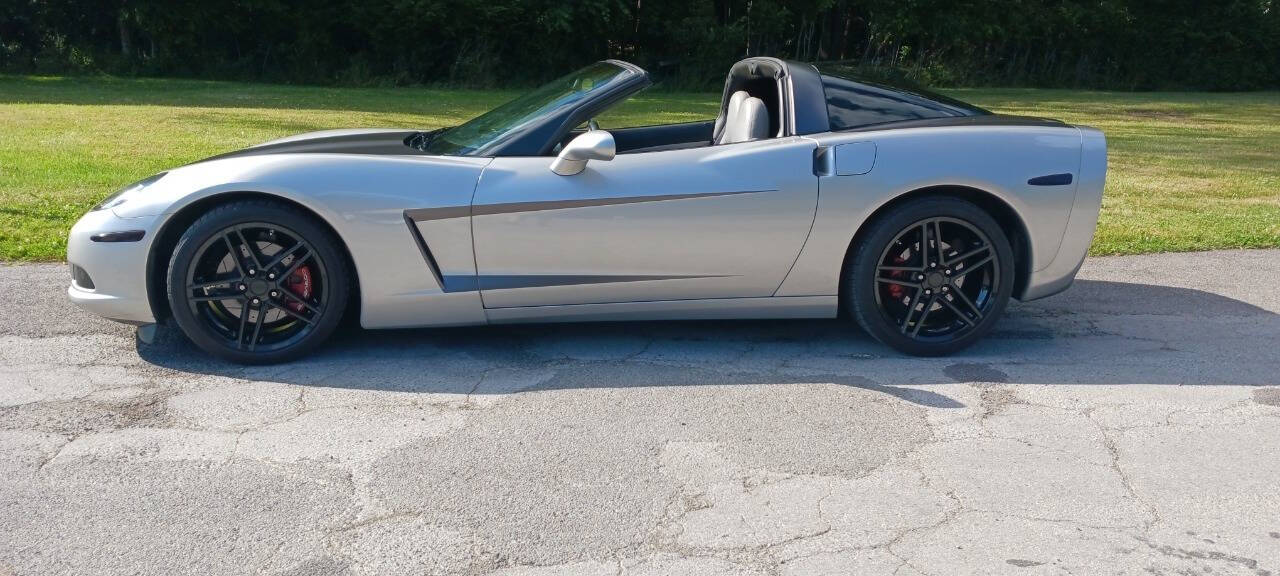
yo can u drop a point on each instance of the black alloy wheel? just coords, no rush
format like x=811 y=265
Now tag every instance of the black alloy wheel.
x=257 y=282
x=931 y=277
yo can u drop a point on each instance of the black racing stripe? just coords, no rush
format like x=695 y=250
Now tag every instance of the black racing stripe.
x=381 y=143
x=536 y=206
x=961 y=121
x=438 y=213
x=510 y=281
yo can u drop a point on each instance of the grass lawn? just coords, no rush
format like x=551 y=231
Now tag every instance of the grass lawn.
x=1189 y=171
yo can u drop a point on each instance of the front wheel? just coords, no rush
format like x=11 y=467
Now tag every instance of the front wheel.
x=257 y=282
x=930 y=277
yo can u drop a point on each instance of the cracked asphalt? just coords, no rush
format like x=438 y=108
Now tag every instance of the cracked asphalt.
x=1130 y=425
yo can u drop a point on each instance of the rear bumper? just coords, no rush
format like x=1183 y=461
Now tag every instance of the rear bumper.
x=117 y=270
x=1082 y=222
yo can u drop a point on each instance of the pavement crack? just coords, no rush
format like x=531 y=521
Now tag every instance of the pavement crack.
x=1109 y=443
x=57 y=452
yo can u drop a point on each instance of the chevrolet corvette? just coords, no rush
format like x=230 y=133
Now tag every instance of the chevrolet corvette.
x=811 y=195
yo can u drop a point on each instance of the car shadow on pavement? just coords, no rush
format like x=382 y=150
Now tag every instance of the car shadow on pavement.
x=1095 y=333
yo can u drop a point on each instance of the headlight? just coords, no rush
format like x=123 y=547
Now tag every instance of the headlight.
x=119 y=197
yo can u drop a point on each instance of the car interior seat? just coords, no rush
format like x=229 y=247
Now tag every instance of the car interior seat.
x=746 y=119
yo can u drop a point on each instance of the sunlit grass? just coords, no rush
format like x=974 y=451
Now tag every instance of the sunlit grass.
x=1188 y=171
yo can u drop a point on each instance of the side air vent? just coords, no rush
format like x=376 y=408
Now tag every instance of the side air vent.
x=1051 y=180
x=81 y=278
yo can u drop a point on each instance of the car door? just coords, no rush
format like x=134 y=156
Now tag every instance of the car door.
x=713 y=222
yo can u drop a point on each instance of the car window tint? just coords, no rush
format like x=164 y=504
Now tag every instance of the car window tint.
x=853 y=104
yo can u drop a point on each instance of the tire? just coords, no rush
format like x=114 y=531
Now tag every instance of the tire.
x=281 y=298
x=930 y=303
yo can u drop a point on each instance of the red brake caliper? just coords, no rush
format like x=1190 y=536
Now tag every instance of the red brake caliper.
x=300 y=284
x=897 y=291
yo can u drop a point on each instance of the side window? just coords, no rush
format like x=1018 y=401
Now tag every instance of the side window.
x=655 y=109
x=655 y=122
x=854 y=104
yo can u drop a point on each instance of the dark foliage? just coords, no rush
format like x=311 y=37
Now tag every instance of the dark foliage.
x=1123 y=44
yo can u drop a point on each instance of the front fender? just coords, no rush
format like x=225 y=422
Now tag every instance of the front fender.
x=363 y=199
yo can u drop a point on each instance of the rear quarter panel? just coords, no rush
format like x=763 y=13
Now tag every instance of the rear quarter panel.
x=995 y=159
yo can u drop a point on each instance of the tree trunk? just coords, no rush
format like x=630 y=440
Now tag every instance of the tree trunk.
x=126 y=41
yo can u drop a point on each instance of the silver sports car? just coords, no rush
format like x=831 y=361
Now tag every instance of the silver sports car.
x=810 y=196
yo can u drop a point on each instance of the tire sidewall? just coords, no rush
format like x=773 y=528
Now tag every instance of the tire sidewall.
x=860 y=280
x=218 y=219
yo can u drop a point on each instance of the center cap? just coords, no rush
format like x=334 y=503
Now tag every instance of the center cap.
x=935 y=280
x=259 y=287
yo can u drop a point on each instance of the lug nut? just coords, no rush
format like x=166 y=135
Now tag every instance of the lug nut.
x=933 y=264
x=947 y=272
x=252 y=271
x=928 y=292
x=274 y=294
x=241 y=287
x=272 y=275
x=945 y=289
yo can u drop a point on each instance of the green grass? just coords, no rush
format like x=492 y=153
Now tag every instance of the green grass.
x=1188 y=171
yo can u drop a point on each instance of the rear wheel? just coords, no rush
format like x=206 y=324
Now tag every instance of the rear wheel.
x=930 y=277
x=257 y=282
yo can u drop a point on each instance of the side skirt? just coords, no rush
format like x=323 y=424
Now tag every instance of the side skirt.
x=704 y=309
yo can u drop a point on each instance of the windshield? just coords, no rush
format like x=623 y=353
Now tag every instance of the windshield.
x=508 y=120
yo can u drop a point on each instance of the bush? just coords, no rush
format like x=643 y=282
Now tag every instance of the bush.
x=1126 y=44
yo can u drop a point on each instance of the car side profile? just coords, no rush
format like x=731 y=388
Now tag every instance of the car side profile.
x=809 y=196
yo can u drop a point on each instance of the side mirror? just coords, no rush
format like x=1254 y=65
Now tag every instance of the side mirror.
x=590 y=145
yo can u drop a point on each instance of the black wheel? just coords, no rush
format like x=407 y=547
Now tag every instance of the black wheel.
x=257 y=282
x=931 y=277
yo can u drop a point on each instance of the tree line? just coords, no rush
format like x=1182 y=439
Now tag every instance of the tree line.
x=1114 y=44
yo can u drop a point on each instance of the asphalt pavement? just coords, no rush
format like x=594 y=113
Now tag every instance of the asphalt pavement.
x=1128 y=426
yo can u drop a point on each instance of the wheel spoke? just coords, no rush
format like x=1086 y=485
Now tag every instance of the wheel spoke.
x=215 y=283
x=898 y=282
x=244 y=321
x=289 y=292
x=234 y=253
x=924 y=245
x=937 y=241
x=257 y=327
x=285 y=254
x=293 y=266
x=977 y=314
x=967 y=255
x=911 y=310
x=970 y=268
x=213 y=297
x=250 y=248
x=928 y=307
x=958 y=312
x=290 y=312
x=897 y=269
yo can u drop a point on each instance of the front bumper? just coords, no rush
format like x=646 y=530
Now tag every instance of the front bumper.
x=116 y=270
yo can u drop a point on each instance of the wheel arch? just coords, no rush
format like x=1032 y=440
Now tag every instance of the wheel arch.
x=1012 y=223
x=178 y=223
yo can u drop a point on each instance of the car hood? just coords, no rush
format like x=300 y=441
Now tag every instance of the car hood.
x=333 y=164
x=352 y=141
